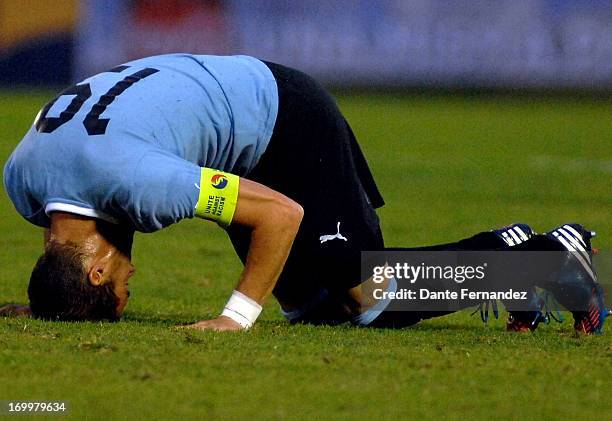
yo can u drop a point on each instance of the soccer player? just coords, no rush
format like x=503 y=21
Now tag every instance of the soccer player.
x=258 y=148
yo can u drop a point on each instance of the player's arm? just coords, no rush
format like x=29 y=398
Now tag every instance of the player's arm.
x=15 y=310
x=274 y=220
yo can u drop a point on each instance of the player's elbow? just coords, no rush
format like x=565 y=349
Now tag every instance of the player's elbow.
x=261 y=207
x=289 y=214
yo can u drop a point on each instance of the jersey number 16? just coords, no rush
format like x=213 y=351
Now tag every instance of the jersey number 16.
x=92 y=122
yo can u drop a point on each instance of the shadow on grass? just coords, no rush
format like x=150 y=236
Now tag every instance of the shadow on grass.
x=179 y=319
x=158 y=318
x=430 y=325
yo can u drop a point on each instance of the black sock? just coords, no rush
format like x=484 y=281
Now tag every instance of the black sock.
x=484 y=241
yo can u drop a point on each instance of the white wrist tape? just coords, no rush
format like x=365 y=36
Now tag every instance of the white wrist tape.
x=242 y=309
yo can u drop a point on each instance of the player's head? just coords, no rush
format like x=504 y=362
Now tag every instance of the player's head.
x=82 y=281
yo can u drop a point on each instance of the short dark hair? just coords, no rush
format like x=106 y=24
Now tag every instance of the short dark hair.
x=60 y=289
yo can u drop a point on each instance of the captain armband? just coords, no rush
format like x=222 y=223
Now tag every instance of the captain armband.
x=218 y=196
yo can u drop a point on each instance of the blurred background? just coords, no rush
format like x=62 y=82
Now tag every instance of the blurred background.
x=557 y=44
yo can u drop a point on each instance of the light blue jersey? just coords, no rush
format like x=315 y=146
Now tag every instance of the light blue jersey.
x=127 y=145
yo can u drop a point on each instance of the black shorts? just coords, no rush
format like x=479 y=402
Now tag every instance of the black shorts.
x=313 y=158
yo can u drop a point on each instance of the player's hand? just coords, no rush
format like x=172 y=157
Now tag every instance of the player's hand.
x=15 y=310
x=220 y=324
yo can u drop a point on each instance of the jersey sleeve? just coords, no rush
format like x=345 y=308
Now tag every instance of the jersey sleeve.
x=24 y=202
x=164 y=190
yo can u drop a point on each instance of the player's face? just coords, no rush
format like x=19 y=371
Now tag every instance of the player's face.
x=119 y=268
x=121 y=271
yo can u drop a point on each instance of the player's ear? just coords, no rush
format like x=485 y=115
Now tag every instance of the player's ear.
x=98 y=272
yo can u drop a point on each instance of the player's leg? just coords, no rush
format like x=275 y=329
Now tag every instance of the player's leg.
x=559 y=261
x=314 y=158
x=502 y=239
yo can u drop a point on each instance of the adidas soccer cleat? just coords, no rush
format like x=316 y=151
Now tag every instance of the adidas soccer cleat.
x=592 y=320
x=515 y=234
x=520 y=321
x=575 y=285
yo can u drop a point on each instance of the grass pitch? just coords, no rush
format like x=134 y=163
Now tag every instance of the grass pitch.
x=448 y=168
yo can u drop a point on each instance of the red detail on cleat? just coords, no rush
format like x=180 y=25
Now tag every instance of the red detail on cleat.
x=589 y=324
x=516 y=326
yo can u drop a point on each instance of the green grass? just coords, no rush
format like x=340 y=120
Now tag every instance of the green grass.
x=448 y=167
